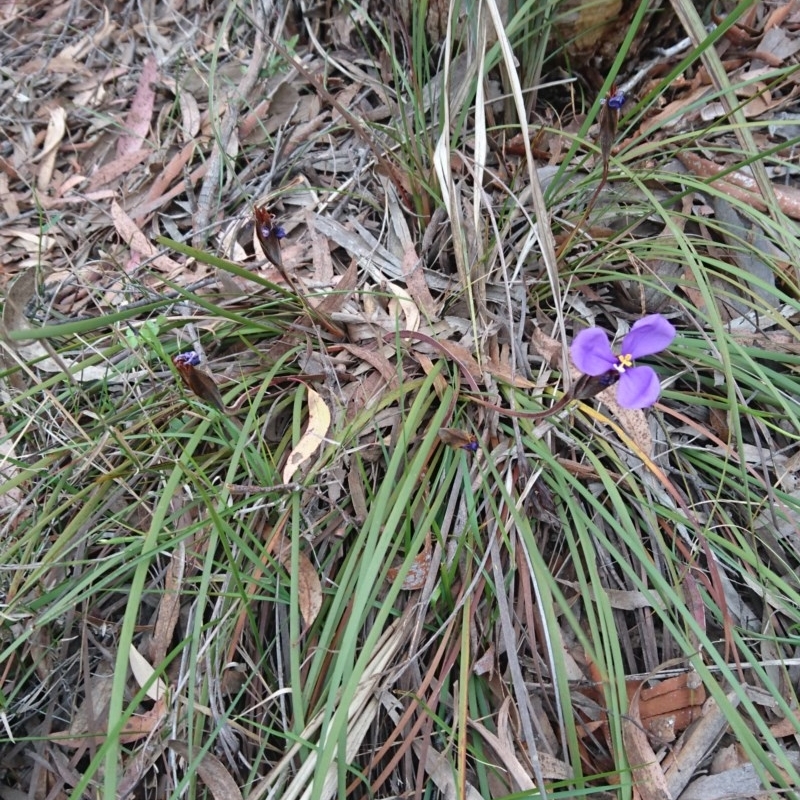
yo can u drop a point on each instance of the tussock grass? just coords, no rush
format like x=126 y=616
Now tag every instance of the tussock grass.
x=398 y=615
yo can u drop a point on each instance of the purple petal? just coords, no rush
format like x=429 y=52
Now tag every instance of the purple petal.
x=617 y=101
x=649 y=335
x=638 y=387
x=591 y=352
x=189 y=358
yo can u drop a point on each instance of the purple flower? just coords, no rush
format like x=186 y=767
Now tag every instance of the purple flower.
x=278 y=233
x=187 y=359
x=638 y=386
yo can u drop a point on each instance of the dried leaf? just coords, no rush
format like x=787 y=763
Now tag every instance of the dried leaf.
x=211 y=771
x=670 y=706
x=309 y=588
x=137 y=241
x=695 y=745
x=169 y=606
x=190 y=116
x=742 y=186
x=547 y=347
x=143 y=673
x=56 y=129
x=92 y=714
x=89 y=726
x=503 y=744
x=633 y=421
x=164 y=187
x=417 y=575
x=485 y=665
x=406 y=304
x=411 y=263
x=648 y=776
x=742 y=781
x=319 y=421
x=137 y=123
x=503 y=372
x=116 y=168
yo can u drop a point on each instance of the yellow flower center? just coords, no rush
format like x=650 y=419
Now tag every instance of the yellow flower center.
x=624 y=361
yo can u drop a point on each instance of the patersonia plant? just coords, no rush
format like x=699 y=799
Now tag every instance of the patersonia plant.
x=638 y=387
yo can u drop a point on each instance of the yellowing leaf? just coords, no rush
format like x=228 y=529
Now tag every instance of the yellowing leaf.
x=319 y=420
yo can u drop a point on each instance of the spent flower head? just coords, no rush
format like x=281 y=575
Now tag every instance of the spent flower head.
x=638 y=387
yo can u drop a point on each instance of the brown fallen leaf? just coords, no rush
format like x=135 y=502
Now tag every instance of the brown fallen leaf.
x=56 y=128
x=137 y=121
x=160 y=192
x=133 y=236
x=695 y=745
x=114 y=169
x=309 y=588
x=169 y=606
x=741 y=186
x=210 y=769
x=418 y=573
x=89 y=726
x=648 y=776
